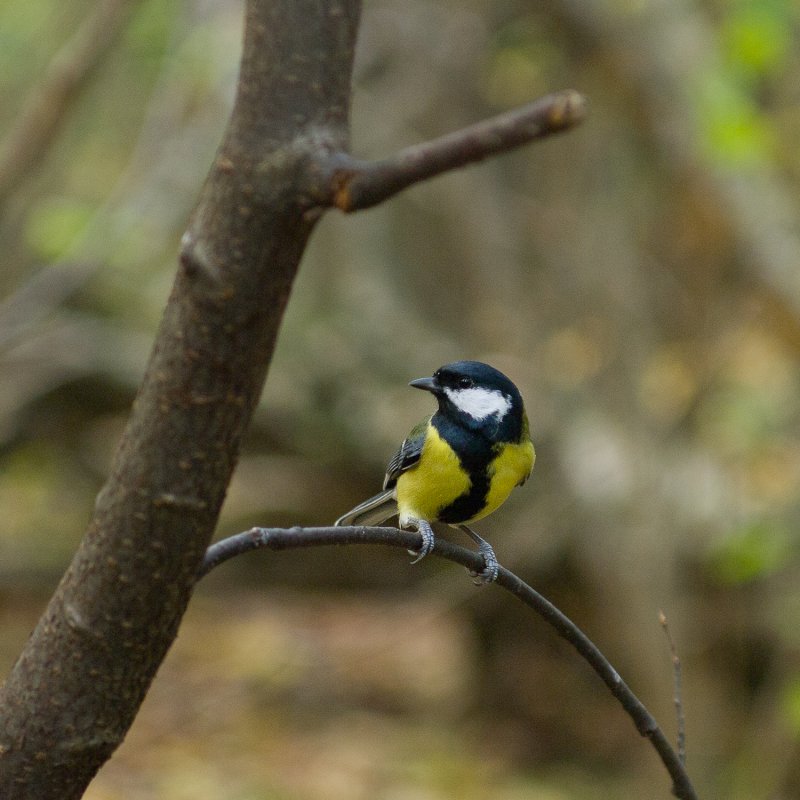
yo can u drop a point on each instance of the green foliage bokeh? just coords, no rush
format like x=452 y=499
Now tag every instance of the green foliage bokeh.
x=638 y=279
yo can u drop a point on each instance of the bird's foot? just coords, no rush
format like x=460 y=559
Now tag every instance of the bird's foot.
x=491 y=566
x=426 y=532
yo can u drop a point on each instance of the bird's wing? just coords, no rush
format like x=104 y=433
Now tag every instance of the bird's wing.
x=408 y=454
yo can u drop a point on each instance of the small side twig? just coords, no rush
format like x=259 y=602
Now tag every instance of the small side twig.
x=362 y=184
x=289 y=538
x=678 y=696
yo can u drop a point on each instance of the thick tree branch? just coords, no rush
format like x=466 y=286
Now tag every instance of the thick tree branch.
x=78 y=684
x=360 y=184
x=292 y=538
x=76 y=687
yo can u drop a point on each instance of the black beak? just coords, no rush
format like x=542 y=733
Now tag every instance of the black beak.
x=428 y=384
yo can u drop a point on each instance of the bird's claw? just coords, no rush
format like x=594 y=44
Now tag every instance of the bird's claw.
x=491 y=566
x=426 y=532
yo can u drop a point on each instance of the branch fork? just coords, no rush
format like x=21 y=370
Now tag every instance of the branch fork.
x=281 y=163
x=357 y=184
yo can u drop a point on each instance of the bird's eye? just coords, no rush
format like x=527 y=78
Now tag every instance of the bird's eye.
x=464 y=383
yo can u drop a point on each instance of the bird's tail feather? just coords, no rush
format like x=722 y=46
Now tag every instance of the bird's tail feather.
x=371 y=512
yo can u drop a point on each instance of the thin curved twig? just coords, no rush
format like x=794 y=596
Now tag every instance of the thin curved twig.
x=678 y=689
x=291 y=538
x=360 y=184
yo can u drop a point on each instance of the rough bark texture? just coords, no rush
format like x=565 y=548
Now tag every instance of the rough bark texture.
x=82 y=676
x=78 y=684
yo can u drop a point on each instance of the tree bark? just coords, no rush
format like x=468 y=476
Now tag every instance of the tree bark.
x=78 y=684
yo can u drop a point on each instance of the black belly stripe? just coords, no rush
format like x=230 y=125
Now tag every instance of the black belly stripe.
x=475 y=453
x=467 y=505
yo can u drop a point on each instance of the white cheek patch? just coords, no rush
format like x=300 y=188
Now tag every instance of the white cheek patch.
x=480 y=403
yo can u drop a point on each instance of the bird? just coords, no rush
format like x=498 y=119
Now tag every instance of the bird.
x=458 y=465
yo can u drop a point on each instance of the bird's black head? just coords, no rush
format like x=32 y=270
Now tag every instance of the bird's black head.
x=478 y=397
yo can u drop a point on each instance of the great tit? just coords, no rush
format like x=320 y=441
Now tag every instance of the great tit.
x=460 y=464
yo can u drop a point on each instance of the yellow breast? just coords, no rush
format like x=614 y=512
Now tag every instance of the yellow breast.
x=435 y=482
x=511 y=466
x=439 y=479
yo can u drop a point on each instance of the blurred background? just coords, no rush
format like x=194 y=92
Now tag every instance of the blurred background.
x=637 y=277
